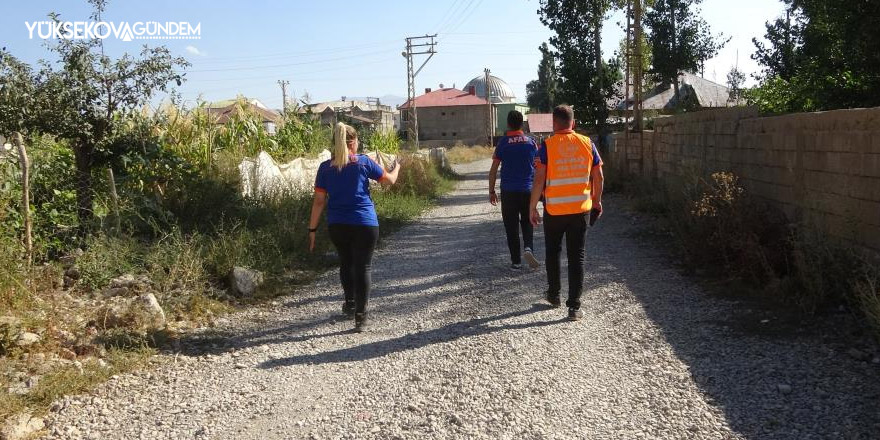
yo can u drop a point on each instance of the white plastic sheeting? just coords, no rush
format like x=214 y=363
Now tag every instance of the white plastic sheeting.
x=263 y=176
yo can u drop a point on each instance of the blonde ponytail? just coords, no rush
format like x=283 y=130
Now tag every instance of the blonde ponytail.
x=341 y=135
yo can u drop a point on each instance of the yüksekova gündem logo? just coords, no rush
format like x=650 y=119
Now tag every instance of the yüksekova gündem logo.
x=123 y=30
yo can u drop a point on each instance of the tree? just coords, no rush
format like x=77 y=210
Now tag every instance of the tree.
x=681 y=41
x=822 y=55
x=784 y=37
x=586 y=81
x=306 y=98
x=542 y=91
x=84 y=99
x=735 y=80
x=17 y=95
x=647 y=59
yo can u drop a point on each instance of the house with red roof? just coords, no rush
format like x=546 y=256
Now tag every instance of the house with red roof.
x=448 y=116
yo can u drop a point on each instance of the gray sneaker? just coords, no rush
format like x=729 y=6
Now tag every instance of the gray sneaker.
x=516 y=266
x=575 y=314
x=530 y=259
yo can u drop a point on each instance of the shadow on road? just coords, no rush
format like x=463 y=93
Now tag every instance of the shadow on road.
x=447 y=333
x=769 y=386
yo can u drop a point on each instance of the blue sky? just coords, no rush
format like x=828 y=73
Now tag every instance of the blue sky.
x=347 y=48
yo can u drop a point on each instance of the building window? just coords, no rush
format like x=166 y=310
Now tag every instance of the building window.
x=442 y=113
x=454 y=133
x=453 y=113
x=443 y=134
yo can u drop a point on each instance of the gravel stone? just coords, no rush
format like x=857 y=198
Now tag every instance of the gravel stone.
x=26 y=339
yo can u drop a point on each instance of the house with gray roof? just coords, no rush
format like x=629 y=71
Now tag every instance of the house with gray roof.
x=693 y=89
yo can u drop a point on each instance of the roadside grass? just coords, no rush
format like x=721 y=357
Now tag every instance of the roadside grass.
x=181 y=226
x=67 y=378
x=868 y=295
x=465 y=154
x=720 y=232
x=187 y=264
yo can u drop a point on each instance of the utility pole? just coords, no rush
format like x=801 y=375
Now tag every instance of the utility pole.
x=424 y=45
x=634 y=74
x=283 y=83
x=638 y=60
x=490 y=132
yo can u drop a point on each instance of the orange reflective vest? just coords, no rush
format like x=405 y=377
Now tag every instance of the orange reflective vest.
x=569 y=164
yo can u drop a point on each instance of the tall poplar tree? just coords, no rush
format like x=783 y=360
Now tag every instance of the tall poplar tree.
x=681 y=41
x=586 y=81
x=541 y=93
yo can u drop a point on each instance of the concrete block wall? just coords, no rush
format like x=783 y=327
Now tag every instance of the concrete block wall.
x=821 y=169
x=451 y=125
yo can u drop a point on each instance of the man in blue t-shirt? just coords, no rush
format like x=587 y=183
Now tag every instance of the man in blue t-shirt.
x=515 y=154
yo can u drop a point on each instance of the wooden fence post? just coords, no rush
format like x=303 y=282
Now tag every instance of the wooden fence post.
x=114 y=198
x=18 y=140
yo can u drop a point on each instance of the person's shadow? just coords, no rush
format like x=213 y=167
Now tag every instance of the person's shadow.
x=447 y=333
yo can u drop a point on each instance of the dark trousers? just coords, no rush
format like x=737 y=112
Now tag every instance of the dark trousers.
x=355 y=245
x=574 y=228
x=515 y=214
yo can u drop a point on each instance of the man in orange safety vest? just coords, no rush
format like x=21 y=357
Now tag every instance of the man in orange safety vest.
x=569 y=177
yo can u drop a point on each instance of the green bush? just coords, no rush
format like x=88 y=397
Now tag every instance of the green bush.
x=237 y=245
x=723 y=227
x=300 y=136
x=419 y=177
x=868 y=299
x=53 y=197
x=385 y=141
x=13 y=292
x=108 y=257
x=174 y=263
x=828 y=272
x=721 y=230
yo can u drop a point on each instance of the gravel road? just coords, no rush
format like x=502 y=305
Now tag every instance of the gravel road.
x=462 y=347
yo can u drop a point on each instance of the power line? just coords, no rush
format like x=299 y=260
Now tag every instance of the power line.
x=202 y=63
x=494 y=33
x=288 y=54
x=269 y=76
x=447 y=15
x=461 y=13
x=465 y=16
x=304 y=63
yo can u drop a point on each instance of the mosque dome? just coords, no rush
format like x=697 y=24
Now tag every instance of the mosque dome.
x=499 y=91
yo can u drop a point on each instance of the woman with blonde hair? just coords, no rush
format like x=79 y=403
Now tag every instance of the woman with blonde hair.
x=343 y=186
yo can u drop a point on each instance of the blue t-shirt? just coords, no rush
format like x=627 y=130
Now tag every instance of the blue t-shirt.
x=516 y=152
x=348 y=191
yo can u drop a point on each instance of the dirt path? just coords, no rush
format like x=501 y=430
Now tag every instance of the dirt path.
x=462 y=347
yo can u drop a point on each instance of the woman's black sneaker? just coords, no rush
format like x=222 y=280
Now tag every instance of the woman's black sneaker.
x=348 y=309
x=553 y=299
x=575 y=314
x=360 y=322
